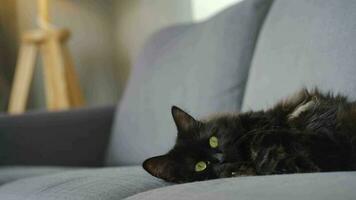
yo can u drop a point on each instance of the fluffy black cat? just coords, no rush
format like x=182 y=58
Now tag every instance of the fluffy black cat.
x=308 y=132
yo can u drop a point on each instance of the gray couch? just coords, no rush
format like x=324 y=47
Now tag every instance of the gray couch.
x=246 y=57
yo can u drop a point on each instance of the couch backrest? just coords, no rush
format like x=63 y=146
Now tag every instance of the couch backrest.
x=304 y=43
x=199 y=67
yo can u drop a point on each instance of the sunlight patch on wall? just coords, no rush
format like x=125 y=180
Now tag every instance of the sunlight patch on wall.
x=203 y=9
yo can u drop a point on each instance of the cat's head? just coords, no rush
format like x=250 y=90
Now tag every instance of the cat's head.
x=204 y=149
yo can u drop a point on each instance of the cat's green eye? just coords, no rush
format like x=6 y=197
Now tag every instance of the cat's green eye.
x=213 y=142
x=200 y=166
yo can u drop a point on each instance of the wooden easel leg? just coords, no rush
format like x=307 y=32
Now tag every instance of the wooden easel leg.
x=23 y=77
x=75 y=93
x=62 y=86
x=48 y=77
x=59 y=75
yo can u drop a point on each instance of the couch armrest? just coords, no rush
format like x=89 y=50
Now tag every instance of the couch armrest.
x=71 y=138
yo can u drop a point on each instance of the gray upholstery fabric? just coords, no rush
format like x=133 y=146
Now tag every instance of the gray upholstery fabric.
x=90 y=184
x=72 y=138
x=304 y=43
x=201 y=68
x=13 y=173
x=327 y=186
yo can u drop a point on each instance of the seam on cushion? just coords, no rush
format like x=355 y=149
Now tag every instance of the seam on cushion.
x=253 y=51
x=51 y=186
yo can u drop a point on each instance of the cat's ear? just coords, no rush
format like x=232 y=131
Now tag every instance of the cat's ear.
x=183 y=120
x=160 y=167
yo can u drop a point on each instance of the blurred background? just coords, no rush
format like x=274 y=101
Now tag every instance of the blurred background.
x=107 y=36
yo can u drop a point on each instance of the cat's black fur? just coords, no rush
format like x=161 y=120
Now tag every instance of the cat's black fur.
x=308 y=132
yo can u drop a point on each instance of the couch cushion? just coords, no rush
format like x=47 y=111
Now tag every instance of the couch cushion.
x=304 y=43
x=319 y=186
x=89 y=184
x=201 y=68
x=13 y=173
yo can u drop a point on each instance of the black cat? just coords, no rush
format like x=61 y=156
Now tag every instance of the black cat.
x=309 y=132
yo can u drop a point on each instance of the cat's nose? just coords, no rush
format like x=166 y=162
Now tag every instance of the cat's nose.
x=219 y=157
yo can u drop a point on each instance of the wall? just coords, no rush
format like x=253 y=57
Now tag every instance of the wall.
x=8 y=48
x=9 y=35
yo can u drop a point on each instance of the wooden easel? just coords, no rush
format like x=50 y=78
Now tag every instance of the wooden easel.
x=61 y=83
